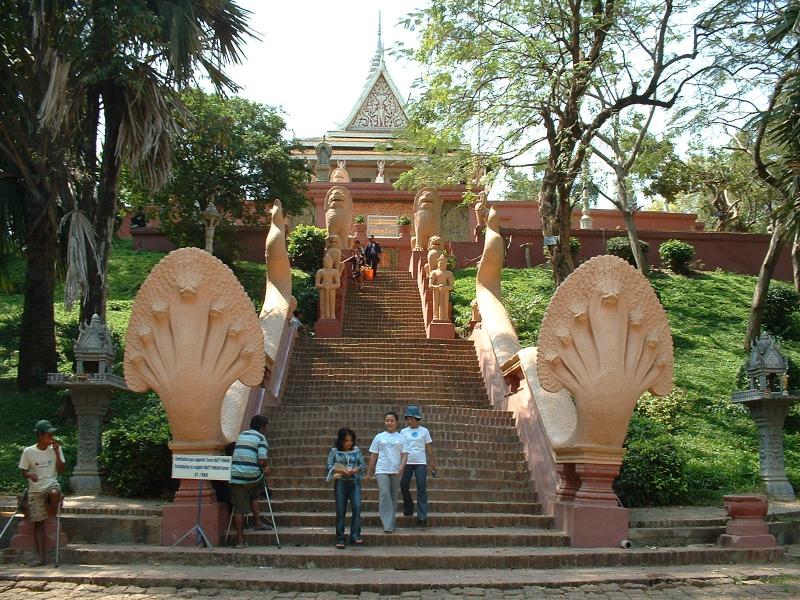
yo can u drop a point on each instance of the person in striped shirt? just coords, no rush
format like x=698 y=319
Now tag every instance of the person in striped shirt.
x=248 y=468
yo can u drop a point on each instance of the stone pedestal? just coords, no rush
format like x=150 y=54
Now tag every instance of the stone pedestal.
x=769 y=415
x=328 y=328
x=182 y=514
x=441 y=330
x=747 y=528
x=323 y=172
x=91 y=406
x=587 y=509
x=427 y=305
x=91 y=394
x=24 y=538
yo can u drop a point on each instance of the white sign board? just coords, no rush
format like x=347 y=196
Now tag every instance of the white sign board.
x=201 y=466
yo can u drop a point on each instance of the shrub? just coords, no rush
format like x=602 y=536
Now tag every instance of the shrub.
x=359 y=219
x=135 y=456
x=654 y=468
x=306 y=247
x=621 y=247
x=676 y=255
x=306 y=294
x=403 y=220
x=780 y=305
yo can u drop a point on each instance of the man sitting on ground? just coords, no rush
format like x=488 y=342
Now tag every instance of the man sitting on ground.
x=248 y=468
x=40 y=465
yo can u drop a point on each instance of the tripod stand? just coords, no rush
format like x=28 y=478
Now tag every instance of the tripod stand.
x=202 y=538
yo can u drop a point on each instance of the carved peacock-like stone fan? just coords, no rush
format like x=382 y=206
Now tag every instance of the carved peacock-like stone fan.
x=193 y=332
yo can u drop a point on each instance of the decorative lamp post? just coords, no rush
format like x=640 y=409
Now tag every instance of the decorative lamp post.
x=211 y=218
x=768 y=400
x=90 y=388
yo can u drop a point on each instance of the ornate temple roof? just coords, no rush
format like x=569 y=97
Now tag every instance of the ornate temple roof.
x=377 y=114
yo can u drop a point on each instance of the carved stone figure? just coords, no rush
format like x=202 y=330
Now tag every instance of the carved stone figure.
x=327 y=281
x=379 y=178
x=435 y=250
x=441 y=282
x=192 y=333
x=605 y=338
x=427 y=217
x=324 y=152
x=339 y=214
x=481 y=209
x=475 y=312
x=340 y=175
x=333 y=247
x=494 y=317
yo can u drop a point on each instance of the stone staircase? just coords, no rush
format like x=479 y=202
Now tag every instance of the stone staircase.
x=485 y=527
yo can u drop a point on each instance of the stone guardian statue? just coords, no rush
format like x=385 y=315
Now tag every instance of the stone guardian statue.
x=441 y=282
x=327 y=281
x=427 y=217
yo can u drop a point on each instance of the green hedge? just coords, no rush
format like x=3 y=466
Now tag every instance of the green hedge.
x=621 y=246
x=306 y=247
x=676 y=255
x=135 y=457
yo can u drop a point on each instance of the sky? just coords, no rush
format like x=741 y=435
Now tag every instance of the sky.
x=313 y=57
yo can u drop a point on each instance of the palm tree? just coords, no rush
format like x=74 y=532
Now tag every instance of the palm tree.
x=70 y=70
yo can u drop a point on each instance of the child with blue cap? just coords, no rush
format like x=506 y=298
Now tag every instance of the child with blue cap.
x=419 y=445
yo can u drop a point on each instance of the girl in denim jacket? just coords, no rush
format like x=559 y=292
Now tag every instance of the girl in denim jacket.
x=345 y=466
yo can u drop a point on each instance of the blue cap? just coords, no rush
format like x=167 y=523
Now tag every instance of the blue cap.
x=413 y=411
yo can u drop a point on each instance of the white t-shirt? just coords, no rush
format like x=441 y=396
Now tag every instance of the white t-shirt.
x=415 y=440
x=43 y=464
x=389 y=448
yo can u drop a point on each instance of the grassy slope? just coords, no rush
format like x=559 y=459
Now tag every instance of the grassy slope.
x=707 y=314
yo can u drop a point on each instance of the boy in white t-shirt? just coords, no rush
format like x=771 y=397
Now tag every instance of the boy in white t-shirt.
x=419 y=446
x=40 y=465
x=386 y=461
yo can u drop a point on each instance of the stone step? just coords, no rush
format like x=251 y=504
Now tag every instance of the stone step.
x=312 y=479
x=314 y=456
x=471 y=497
x=440 y=525
x=433 y=414
x=443 y=464
x=654 y=580
x=302 y=503
x=370 y=559
x=455 y=433
x=506 y=473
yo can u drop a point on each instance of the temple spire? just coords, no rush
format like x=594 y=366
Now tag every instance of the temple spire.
x=377 y=60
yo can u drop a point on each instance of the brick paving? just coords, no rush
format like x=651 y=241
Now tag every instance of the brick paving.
x=133 y=584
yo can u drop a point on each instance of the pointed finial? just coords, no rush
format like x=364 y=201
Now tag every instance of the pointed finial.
x=377 y=60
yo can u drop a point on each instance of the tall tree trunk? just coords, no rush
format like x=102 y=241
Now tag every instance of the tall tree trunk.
x=556 y=217
x=102 y=211
x=37 y=339
x=762 y=286
x=627 y=215
x=796 y=260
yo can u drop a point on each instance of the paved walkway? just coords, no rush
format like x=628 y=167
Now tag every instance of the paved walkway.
x=719 y=587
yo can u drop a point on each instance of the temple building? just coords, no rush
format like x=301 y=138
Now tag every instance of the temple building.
x=360 y=155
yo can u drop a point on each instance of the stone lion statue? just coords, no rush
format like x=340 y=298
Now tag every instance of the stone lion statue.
x=339 y=213
x=427 y=217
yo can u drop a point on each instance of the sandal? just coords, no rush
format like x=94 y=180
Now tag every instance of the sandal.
x=340 y=545
x=242 y=546
x=358 y=542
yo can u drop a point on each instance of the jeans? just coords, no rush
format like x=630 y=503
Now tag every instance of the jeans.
x=343 y=490
x=388 y=486
x=373 y=262
x=420 y=472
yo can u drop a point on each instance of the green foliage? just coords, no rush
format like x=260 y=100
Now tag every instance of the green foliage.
x=521 y=186
x=574 y=248
x=306 y=247
x=676 y=255
x=359 y=219
x=135 y=455
x=653 y=469
x=403 y=220
x=780 y=307
x=621 y=246
x=307 y=295
x=707 y=316
x=231 y=149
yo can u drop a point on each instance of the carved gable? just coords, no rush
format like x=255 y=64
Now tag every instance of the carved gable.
x=380 y=110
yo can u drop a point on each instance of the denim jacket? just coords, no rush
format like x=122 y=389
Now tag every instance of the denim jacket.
x=351 y=458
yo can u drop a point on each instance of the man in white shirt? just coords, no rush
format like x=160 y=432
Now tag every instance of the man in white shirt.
x=40 y=465
x=419 y=445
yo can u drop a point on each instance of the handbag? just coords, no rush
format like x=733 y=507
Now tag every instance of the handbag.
x=338 y=470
